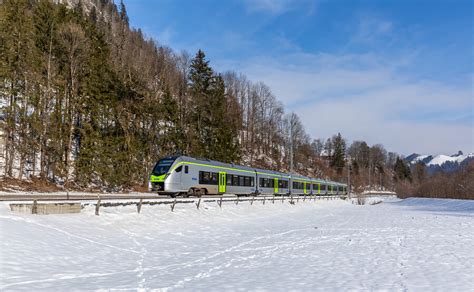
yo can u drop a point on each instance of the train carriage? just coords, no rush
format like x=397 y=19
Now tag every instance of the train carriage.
x=318 y=187
x=272 y=182
x=185 y=175
x=301 y=185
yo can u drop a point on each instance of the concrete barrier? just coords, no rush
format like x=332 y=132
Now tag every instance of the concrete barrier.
x=46 y=208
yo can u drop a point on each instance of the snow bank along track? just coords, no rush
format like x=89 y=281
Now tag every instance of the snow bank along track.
x=139 y=201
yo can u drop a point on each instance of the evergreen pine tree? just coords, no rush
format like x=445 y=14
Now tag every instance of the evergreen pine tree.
x=201 y=77
x=339 y=152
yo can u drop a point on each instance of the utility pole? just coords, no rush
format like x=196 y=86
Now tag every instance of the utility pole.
x=291 y=146
x=369 y=177
x=349 y=179
x=291 y=155
x=380 y=178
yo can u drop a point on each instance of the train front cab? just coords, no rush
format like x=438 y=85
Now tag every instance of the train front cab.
x=160 y=174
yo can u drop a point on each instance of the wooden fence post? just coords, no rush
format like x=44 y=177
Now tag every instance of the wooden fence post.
x=198 y=203
x=97 y=207
x=172 y=206
x=139 y=206
x=34 y=208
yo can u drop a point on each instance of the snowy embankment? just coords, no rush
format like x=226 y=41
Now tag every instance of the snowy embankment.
x=414 y=244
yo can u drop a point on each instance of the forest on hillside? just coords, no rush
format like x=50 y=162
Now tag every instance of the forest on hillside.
x=89 y=102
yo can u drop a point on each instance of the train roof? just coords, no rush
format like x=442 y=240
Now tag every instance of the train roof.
x=229 y=165
x=258 y=170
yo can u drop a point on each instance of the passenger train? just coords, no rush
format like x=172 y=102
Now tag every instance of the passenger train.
x=188 y=176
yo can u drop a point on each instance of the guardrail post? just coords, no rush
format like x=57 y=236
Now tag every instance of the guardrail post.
x=251 y=201
x=282 y=199
x=139 y=206
x=97 y=207
x=220 y=202
x=304 y=198
x=198 y=203
x=172 y=206
x=263 y=200
x=273 y=199
x=34 y=208
x=237 y=201
x=298 y=199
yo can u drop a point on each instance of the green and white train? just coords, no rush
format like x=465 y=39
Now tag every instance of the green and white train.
x=188 y=176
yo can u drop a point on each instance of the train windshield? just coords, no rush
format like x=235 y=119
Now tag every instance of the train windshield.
x=163 y=166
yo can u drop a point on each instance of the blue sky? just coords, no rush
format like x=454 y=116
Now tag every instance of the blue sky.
x=398 y=73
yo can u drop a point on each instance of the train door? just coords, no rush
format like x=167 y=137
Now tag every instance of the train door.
x=275 y=185
x=304 y=188
x=222 y=182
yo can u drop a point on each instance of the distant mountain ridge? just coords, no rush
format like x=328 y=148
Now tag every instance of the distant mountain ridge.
x=444 y=163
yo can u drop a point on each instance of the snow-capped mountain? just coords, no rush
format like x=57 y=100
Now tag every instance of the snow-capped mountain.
x=445 y=163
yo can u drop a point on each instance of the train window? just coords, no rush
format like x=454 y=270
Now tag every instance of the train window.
x=298 y=185
x=179 y=168
x=229 y=179
x=252 y=182
x=323 y=187
x=186 y=169
x=204 y=177
x=241 y=181
x=247 y=181
x=261 y=183
x=214 y=178
x=235 y=180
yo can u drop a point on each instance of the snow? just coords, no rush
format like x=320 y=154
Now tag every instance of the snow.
x=412 y=244
x=441 y=159
x=419 y=158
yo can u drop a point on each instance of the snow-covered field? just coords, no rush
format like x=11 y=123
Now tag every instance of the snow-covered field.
x=413 y=244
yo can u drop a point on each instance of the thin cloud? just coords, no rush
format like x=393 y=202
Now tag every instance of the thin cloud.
x=370 y=29
x=277 y=7
x=269 y=6
x=372 y=99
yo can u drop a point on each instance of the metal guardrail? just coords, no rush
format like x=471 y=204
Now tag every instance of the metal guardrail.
x=216 y=199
